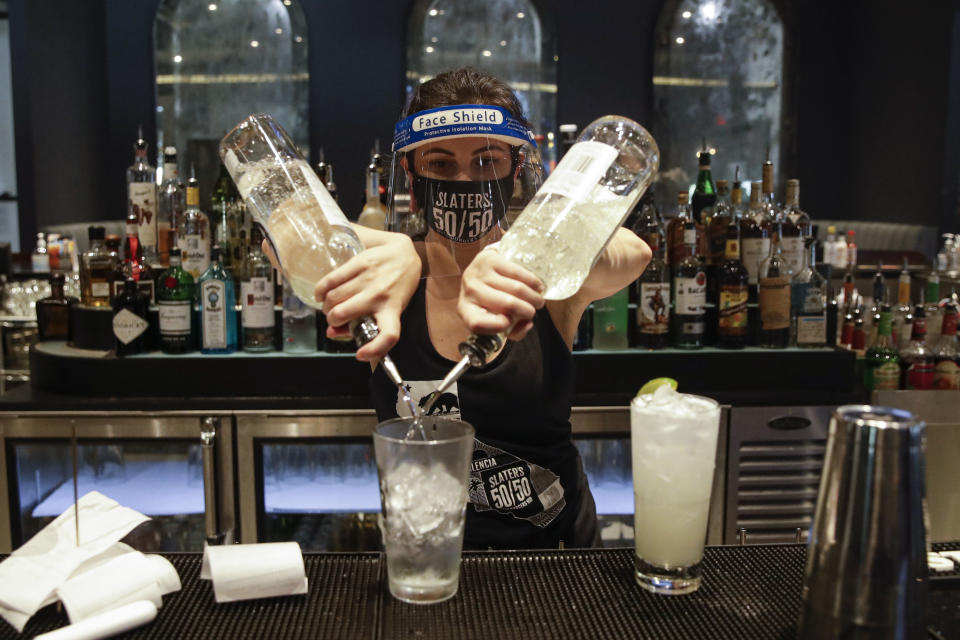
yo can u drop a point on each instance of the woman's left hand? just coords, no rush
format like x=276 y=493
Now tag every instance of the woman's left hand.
x=378 y=281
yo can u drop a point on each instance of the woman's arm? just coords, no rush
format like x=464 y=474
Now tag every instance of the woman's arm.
x=379 y=281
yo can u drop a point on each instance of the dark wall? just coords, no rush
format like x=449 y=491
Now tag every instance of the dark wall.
x=868 y=88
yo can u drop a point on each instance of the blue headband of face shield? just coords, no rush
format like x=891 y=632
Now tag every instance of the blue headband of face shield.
x=459 y=121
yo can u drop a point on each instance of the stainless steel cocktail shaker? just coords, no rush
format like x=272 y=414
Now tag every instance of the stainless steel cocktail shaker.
x=866 y=573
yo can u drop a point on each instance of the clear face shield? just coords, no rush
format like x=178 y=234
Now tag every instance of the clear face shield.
x=459 y=176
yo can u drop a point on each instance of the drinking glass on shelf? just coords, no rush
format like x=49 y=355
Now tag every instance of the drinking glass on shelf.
x=674 y=438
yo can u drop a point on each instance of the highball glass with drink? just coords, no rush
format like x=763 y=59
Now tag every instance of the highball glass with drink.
x=423 y=494
x=674 y=441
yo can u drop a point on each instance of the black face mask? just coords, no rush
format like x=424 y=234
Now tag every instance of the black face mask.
x=463 y=211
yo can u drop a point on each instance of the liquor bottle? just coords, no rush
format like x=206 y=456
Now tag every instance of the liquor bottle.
x=720 y=218
x=374 y=214
x=881 y=361
x=916 y=359
x=299 y=323
x=610 y=322
x=130 y=320
x=225 y=214
x=774 y=298
x=584 y=338
x=648 y=224
x=734 y=291
x=142 y=198
x=879 y=286
x=218 y=315
x=808 y=301
x=736 y=196
x=653 y=302
x=791 y=235
x=193 y=236
x=676 y=237
x=171 y=199
x=40 y=258
x=859 y=345
x=840 y=251
x=257 y=297
x=829 y=246
x=851 y=250
x=689 y=294
x=792 y=209
x=704 y=194
x=325 y=173
x=97 y=266
x=849 y=294
x=902 y=314
x=946 y=353
x=568 y=138
x=754 y=237
x=53 y=312
x=847 y=329
x=932 y=309
x=133 y=265
x=833 y=318
x=772 y=211
x=175 y=303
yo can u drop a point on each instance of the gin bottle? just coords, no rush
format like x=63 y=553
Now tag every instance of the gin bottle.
x=130 y=319
x=193 y=236
x=256 y=300
x=171 y=200
x=175 y=303
x=142 y=198
x=218 y=315
x=808 y=302
x=689 y=295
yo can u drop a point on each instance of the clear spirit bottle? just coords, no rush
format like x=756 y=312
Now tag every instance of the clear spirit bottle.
x=689 y=294
x=808 y=302
x=193 y=236
x=142 y=198
x=225 y=210
x=218 y=315
x=175 y=303
x=256 y=300
x=97 y=267
x=171 y=201
x=374 y=214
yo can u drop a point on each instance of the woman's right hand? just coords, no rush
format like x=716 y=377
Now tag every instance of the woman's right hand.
x=379 y=281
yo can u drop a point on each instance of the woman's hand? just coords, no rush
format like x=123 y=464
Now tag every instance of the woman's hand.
x=497 y=295
x=379 y=281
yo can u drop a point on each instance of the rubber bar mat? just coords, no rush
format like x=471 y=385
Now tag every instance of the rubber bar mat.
x=342 y=602
x=954 y=575
x=747 y=593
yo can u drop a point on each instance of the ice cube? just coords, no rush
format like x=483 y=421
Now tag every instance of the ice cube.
x=421 y=498
x=664 y=395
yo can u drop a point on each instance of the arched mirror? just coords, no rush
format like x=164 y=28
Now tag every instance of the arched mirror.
x=718 y=69
x=219 y=60
x=503 y=37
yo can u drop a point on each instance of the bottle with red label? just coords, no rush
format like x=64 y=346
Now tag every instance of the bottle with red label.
x=916 y=360
x=946 y=374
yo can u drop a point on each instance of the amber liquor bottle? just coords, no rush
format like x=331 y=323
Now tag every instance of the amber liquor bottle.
x=733 y=293
x=53 y=312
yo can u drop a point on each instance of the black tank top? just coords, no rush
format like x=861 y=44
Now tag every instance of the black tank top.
x=527 y=486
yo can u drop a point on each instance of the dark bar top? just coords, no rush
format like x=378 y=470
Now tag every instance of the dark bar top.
x=66 y=379
x=752 y=591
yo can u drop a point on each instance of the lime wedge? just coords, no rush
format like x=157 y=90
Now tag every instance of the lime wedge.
x=656 y=383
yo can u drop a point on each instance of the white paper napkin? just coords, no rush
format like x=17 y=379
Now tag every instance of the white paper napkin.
x=122 y=579
x=247 y=571
x=107 y=624
x=32 y=573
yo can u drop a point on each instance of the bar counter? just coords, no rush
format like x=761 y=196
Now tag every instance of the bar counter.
x=748 y=592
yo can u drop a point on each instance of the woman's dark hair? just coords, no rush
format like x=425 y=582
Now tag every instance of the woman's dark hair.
x=465 y=85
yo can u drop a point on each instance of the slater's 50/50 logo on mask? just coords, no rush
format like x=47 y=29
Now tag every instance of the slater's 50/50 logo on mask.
x=463 y=211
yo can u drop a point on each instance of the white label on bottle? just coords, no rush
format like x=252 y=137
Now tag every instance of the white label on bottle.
x=654 y=305
x=329 y=207
x=580 y=169
x=792 y=249
x=143 y=203
x=811 y=329
x=256 y=295
x=174 y=317
x=691 y=294
x=754 y=250
x=128 y=326
x=196 y=254
x=100 y=289
x=213 y=305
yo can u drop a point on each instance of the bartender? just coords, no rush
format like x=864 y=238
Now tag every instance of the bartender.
x=465 y=157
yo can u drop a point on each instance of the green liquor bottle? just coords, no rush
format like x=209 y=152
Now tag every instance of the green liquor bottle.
x=610 y=321
x=175 y=304
x=704 y=194
x=882 y=363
